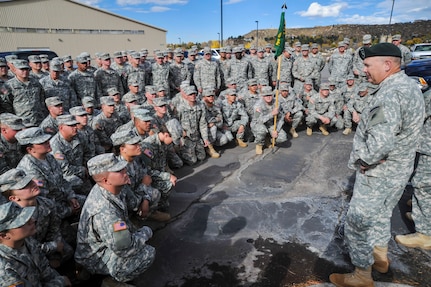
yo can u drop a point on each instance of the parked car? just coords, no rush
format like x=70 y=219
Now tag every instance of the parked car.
x=23 y=54
x=420 y=68
x=215 y=53
x=421 y=51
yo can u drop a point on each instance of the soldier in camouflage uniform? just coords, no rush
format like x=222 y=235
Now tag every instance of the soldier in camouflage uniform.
x=207 y=73
x=83 y=82
x=249 y=98
x=4 y=77
x=108 y=243
x=340 y=65
x=225 y=66
x=89 y=106
x=135 y=73
x=120 y=66
x=44 y=168
x=235 y=117
x=161 y=74
x=292 y=107
x=36 y=67
x=383 y=155
x=10 y=149
x=68 y=65
x=321 y=110
x=53 y=86
x=421 y=180
x=69 y=153
x=55 y=108
x=25 y=263
x=358 y=63
x=191 y=115
x=241 y=69
x=320 y=64
x=303 y=68
x=145 y=64
x=24 y=96
x=179 y=71
x=105 y=123
x=262 y=67
x=191 y=63
x=285 y=67
x=354 y=108
x=406 y=56
x=262 y=124
x=339 y=103
x=120 y=107
x=106 y=77
x=307 y=94
x=18 y=187
x=350 y=89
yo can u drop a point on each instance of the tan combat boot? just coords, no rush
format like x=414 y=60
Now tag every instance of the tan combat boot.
x=159 y=216
x=323 y=129
x=259 y=149
x=381 y=261
x=241 y=143
x=347 y=131
x=359 y=278
x=212 y=152
x=309 y=131
x=415 y=240
x=293 y=132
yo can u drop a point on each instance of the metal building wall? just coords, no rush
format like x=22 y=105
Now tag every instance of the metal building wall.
x=67 y=15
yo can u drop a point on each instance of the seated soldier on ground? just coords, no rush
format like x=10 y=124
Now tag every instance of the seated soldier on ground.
x=108 y=243
x=321 y=110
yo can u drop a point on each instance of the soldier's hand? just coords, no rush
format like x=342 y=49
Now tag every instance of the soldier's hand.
x=173 y=179
x=147 y=180
x=67 y=281
x=75 y=205
x=275 y=112
x=241 y=129
x=274 y=134
x=144 y=209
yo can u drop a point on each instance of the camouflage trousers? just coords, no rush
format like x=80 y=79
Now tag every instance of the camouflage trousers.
x=368 y=220
x=421 y=181
x=336 y=121
x=296 y=119
x=348 y=119
x=192 y=151
x=174 y=160
x=261 y=131
x=219 y=137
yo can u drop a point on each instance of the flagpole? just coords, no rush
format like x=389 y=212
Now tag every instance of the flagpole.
x=280 y=41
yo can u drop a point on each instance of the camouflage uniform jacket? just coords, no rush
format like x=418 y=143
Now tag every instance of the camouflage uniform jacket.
x=39 y=75
x=26 y=100
x=249 y=100
x=319 y=61
x=213 y=115
x=10 y=154
x=108 y=78
x=389 y=128
x=233 y=113
x=340 y=65
x=290 y=104
x=59 y=89
x=285 y=70
x=84 y=85
x=207 y=74
x=122 y=112
x=107 y=241
x=263 y=115
x=425 y=142
x=319 y=106
x=136 y=74
x=49 y=125
x=27 y=268
x=304 y=68
x=262 y=70
x=161 y=76
x=406 y=55
x=70 y=155
x=122 y=72
x=104 y=127
x=358 y=103
x=192 y=119
x=226 y=70
x=241 y=71
x=180 y=72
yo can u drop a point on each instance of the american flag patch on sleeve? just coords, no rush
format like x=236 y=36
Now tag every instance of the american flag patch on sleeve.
x=18 y=284
x=119 y=226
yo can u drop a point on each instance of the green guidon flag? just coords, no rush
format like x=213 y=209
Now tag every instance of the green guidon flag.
x=280 y=39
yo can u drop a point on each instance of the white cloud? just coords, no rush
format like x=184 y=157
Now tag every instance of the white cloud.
x=156 y=2
x=232 y=2
x=317 y=10
x=93 y=3
x=159 y=9
x=360 y=19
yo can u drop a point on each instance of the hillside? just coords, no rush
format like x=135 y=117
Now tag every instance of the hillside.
x=412 y=32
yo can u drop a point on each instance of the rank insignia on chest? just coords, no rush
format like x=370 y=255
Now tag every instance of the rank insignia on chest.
x=119 y=226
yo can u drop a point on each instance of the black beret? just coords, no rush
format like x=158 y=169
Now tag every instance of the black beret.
x=381 y=49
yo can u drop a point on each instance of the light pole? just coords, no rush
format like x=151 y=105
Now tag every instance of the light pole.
x=257 y=33
x=179 y=40
x=221 y=22
x=219 y=42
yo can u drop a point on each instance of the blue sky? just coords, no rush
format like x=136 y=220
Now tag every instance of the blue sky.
x=199 y=20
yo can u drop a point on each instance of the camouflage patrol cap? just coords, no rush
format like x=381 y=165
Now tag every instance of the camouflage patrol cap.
x=346 y=41
x=262 y=82
x=190 y=90
x=3 y=62
x=223 y=50
x=144 y=51
x=133 y=83
x=298 y=44
x=252 y=82
x=341 y=44
x=350 y=77
x=14 y=179
x=44 y=58
x=67 y=120
x=55 y=66
x=184 y=84
x=105 y=56
x=143 y=115
x=159 y=55
x=78 y=111
x=160 y=88
x=192 y=52
x=10 y=58
x=253 y=47
x=12 y=121
x=14 y=216
x=268 y=46
x=34 y=135
x=363 y=87
x=135 y=55
x=106 y=162
x=87 y=102
x=98 y=54
x=53 y=101
x=130 y=98
x=57 y=60
x=85 y=55
x=117 y=54
x=159 y=102
x=366 y=39
x=175 y=130
x=113 y=91
x=208 y=91
x=396 y=37
x=107 y=101
x=81 y=59
x=125 y=137
x=324 y=86
x=150 y=89
x=305 y=47
x=260 y=50
x=314 y=46
x=34 y=59
x=266 y=91
x=21 y=64
x=284 y=87
x=308 y=81
x=231 y=92
x=207 y=50
x=290 y=50
x=67 y=58
x=237 y=50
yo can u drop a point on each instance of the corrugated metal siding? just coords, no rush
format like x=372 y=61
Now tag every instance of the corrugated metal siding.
x=62 y=14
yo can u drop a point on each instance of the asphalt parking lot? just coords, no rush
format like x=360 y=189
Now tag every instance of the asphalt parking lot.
x=270 y=220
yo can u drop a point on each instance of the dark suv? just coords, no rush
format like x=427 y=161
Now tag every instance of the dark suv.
x=23 y=54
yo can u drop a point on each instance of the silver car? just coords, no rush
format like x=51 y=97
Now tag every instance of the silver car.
x=421 y=51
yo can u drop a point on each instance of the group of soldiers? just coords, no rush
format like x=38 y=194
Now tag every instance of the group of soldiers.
x=98 y=144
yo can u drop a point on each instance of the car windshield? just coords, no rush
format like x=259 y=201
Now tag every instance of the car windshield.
x=423 y=48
